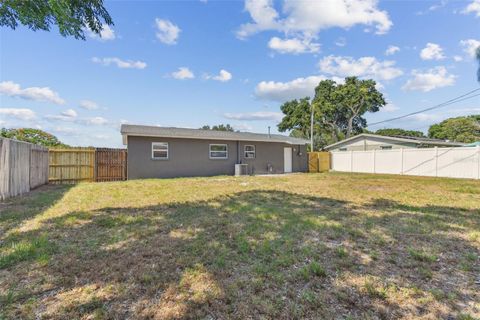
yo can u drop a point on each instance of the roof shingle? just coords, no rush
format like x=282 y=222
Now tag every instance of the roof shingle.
x=186 y=133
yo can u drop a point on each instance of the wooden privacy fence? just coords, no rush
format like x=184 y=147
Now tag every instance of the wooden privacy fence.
x=72 y=165
x=87 y=164
x=318 y=161
x=110 y=164
x=23 y=166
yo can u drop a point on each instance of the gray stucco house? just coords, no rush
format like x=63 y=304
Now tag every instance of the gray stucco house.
x=366 y=141
x=161 y=152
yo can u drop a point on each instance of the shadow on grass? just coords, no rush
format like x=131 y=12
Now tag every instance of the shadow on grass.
x=251 y=254
x=14 y=211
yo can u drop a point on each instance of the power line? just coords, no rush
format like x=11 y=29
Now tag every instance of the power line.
x=460 y=98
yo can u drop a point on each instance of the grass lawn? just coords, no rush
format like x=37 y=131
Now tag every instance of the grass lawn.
x=315 y=246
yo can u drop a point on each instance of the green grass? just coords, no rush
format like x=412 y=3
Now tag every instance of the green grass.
x=37 y=249
x=297 y=246
x=422 y=255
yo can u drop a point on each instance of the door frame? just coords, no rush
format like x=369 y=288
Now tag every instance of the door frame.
x=285 y=157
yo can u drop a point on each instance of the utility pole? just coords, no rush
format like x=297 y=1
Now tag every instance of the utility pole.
x=311 y=127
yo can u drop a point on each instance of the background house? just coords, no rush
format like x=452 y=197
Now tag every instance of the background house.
x=366 y=141
x=160 y=152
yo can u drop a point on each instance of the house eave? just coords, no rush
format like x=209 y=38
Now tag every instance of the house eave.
x=396 y=139
x=125 y=138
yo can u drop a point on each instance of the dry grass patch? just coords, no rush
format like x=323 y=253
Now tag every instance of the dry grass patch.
x=299 y=246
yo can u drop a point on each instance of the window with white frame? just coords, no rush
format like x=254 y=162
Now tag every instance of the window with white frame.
x=249 y=151
x=385 y=147
x=218 y=151
x=160 y=150
x=342 y=149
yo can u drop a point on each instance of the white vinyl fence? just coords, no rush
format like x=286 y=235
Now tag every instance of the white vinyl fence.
x=461 y=162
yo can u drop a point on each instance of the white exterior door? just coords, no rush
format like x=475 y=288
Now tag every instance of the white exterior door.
x=287 y=160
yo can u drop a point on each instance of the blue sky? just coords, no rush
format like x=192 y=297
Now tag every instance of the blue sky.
x=190 y=63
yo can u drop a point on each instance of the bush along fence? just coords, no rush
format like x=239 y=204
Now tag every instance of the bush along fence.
x=23 y=166
x=318 y=161
x=460 y=162
x=87 y=164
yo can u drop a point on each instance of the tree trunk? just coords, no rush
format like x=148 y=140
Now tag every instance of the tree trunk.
x=349 y=127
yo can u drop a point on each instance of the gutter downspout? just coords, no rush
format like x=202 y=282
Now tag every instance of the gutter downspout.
x=238 y=152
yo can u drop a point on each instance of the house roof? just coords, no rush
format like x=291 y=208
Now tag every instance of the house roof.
x=473 y=144
x=415 y=140
x=186 y=133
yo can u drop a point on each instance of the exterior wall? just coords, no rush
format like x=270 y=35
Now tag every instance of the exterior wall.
x=269 y=154
x=190 y=157
x=369 y=143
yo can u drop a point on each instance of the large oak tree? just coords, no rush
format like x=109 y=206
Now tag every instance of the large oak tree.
x=399 y=132
x=338 y=110
x=460 y=129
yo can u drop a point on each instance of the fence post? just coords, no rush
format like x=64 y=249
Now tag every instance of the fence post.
x=436 y=161
x=351 y=160
x=478 y=158
x=401 y=164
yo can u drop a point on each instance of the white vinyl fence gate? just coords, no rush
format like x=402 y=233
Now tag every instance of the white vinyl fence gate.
x=463 y=162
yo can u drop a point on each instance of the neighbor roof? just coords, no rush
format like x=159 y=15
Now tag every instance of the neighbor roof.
x=172 y=132
x=416 y=140
x=473 y=144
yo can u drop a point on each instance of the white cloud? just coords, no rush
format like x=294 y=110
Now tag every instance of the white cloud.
x=457 y=58
x=96 y=121
x=283 y=91
x=390 y=107
x=391 y=50
x=70 y=113
x=67 y=131
x=434 y=78
x=470 y=46
x=122 y=64
x=308 y=17
x=425 y=117
x=13 y=89
x=106 y=33
x=167 y=32
x=60 y=117
x=293 y=45
x=440 y=115
x=88 y=105
x=432 y=52
x=341 y=42
x=223 y=76
x=18 y=113
x=242 y=127
x=264 y=17
x=368 y=67
x=183 y=73
x=254 y=116
x=473 y=7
